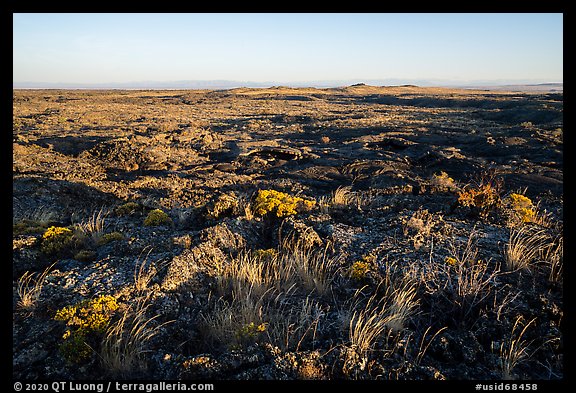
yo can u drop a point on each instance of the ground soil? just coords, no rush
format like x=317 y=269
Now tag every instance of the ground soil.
x=201 y=156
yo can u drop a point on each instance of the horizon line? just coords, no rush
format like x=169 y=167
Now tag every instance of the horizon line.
x=215 y=84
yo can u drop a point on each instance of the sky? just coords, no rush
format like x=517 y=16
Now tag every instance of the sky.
x=282 y=47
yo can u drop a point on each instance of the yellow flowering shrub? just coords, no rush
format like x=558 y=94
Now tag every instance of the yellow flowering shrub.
x=56 y=239
x=250 y=331
x=280 y=204
x=359 y=269
x=522 y=208
x=84 y=320
x=267 y=254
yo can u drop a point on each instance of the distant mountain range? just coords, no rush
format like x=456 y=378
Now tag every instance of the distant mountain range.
x=230 y=84
x=544 y=87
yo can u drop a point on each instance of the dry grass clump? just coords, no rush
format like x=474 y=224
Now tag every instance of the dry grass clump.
x=277 y=296
x=144 y=272
x=343 y=198
x=553 y=255
x=371 y=319
x=314 y=271
x=470 y=279
x=367 y=325
x=294 y=323
x=29 y=289
x=299 y=268
x=514 y=350
x=226 y=323
x=94 y=227
x=524 y=248
x=530 y=246
x=125 y=344
x=247 y=272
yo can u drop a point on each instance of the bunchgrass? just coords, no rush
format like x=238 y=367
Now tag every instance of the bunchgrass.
x=29 y=289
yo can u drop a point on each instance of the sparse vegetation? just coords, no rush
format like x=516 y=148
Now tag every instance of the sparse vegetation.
x=351 y=233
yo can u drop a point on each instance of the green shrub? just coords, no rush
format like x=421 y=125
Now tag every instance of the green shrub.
x=157 y=217
x=85 y=255
x=127 y=209
x=28 y=227
x=110 y=237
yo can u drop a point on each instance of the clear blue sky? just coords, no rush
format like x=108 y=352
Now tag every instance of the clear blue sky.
x=100 y=48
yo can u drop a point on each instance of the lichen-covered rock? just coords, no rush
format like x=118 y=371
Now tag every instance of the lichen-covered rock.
x=26 y=255
x=296 y=232
x=223 y=205
x=183 y=269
